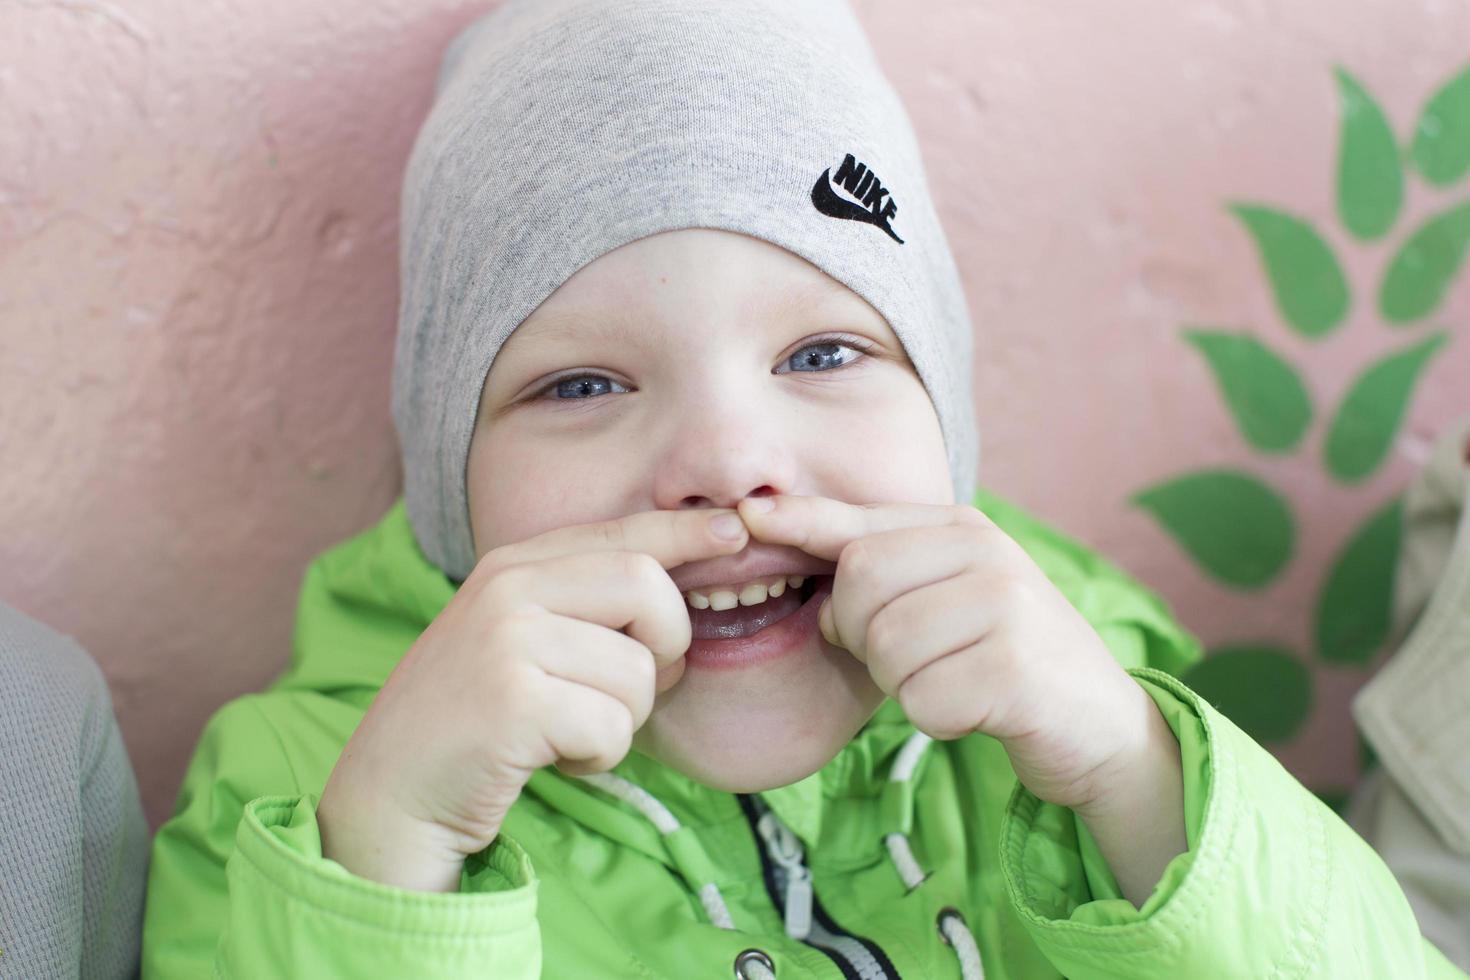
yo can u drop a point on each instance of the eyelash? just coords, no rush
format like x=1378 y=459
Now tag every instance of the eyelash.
x=862 y=346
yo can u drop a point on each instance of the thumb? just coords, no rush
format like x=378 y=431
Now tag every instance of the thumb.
x=826 y=624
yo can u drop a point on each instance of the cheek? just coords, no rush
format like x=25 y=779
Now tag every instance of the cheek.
x=519 y=488
x=900 y=454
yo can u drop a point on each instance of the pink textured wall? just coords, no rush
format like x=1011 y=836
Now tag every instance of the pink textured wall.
x=198 y=290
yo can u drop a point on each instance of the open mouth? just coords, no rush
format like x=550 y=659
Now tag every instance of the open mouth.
x=741 y=621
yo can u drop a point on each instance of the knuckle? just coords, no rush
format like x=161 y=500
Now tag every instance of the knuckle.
x=641 y=567
x=859 y=563
x=1000 y=586
x=910 y=697
x=619 y=728
x=971 y=517
x=884 y=631
x=489 y=564
x=506 y=586
x=512 y=631
x=614 y=732
x=886 y=676
x=939 y=720
x=517 y=689
x=1015 y=591
x=643 y=668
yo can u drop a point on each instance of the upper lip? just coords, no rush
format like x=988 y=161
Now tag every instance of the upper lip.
x=756 y=561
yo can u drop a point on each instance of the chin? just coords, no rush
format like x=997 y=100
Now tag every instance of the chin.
x=756 y=749
x=753 y=771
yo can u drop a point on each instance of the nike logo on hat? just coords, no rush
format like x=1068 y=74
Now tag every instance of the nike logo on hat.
x=864 y=185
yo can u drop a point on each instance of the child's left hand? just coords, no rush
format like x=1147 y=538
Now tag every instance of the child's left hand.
x=958 y=624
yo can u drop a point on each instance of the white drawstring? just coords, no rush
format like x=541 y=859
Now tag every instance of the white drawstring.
x=786 y=844
x=951 y=923
x=952 y=927
x=663 y=818
x=903 y=860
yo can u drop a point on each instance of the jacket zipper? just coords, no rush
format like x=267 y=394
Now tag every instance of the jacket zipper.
x=783 y=869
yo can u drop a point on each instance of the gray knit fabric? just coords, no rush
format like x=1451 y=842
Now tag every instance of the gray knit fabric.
x=562 y=129
x=73 y=840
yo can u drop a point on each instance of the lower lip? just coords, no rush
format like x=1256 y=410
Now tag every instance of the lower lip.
x=780 y=639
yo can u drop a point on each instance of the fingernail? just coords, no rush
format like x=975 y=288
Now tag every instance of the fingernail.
x=727 y=526
x=761 y=505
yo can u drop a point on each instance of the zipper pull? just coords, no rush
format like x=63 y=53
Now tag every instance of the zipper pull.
x=799 y=904
x=785 y=849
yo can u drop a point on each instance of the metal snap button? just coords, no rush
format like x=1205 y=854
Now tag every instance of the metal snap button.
x=754 y=964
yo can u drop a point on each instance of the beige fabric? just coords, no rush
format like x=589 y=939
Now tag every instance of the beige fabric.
x=1415 y=811
x=1432 y=507
x=1434 y=878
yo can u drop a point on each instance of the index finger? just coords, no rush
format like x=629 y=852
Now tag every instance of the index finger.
x=671 y=537
x=822 y=526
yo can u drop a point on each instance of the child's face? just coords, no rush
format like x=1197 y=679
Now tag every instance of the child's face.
x=674 y=383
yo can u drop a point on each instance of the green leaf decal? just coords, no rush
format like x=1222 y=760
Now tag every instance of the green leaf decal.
x=1264 y=393
x=1309 y=285
x=1355 y=609
x=1441 y=149
x=1238 y=529
x=1370 y=182
x=1425 y=265
x=1264 y=690
x=1368 y=419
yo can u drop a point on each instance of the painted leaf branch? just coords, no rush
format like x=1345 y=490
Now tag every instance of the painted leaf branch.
x=1234 y=526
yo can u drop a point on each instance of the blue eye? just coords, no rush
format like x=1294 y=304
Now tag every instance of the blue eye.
x=577 y=385
x=586 y=387
x=827 y=349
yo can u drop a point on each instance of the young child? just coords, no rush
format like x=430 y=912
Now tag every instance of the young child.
x=691 y=649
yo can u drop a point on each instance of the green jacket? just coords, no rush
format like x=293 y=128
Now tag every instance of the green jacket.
x=581 y=883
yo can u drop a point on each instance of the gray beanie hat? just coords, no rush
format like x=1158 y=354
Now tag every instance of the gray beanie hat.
x=562 y=129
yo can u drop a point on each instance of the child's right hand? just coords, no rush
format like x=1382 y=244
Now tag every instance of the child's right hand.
x=551 y=651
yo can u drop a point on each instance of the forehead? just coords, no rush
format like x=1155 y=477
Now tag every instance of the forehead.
x=628 y=321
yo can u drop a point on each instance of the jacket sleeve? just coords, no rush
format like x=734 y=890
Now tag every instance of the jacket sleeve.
x=1273 y=884
x=238 y=886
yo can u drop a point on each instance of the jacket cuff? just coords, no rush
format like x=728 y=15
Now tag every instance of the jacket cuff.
x=297 y=912
x=1068 y=898
x=1273 y=882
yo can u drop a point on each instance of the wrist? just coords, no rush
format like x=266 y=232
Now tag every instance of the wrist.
x=1137 y=813
x=372 y=840
x=1146 y=758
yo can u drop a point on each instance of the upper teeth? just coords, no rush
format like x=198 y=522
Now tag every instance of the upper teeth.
x=746 y=595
